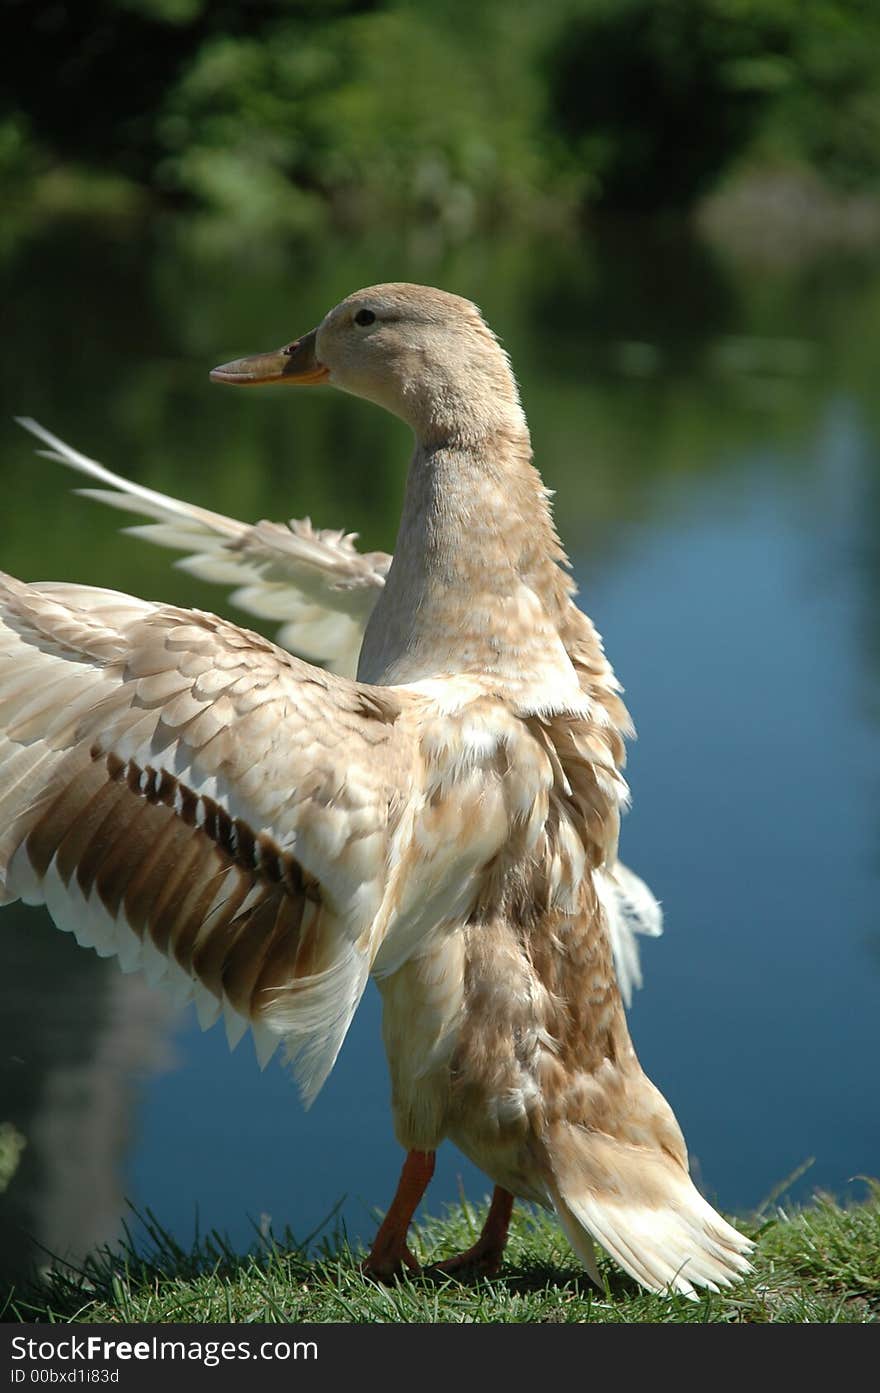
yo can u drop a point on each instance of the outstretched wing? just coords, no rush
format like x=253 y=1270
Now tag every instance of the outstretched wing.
x=186 y=796
x=315 y=583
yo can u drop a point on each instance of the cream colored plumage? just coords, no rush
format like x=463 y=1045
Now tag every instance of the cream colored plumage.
x=265 y=835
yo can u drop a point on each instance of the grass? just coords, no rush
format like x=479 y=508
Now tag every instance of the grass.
x=818 y=1264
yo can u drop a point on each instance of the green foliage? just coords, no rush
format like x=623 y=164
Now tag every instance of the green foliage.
x=365 y=115
x=827 y=113
x=301 y=114
x=652 y=100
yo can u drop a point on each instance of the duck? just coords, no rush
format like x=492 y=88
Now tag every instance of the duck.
x=262 y=834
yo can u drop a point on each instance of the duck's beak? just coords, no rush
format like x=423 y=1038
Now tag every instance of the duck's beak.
x=296 y=364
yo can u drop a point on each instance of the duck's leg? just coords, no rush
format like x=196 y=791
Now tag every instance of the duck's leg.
x=484 y=1258
x=389 y=1255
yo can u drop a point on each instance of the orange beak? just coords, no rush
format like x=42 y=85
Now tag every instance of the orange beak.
x=296 y=364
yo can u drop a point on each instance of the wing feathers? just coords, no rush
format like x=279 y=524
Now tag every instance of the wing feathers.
x=176 y=791
x=316 y=583
x=630 y=909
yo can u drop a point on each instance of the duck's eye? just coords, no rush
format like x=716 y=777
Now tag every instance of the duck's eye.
x=364 y=317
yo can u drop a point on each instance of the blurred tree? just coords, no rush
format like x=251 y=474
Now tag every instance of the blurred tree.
x=652 y=99
x=827 y=115
x=93 y=75
x=295 y=114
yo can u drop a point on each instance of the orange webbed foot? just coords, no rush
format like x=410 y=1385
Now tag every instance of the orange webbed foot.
x=391 y=1266
x=485 y=1257
x=478 y=1261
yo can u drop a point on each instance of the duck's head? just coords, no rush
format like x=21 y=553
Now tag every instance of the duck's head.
x=422 y=354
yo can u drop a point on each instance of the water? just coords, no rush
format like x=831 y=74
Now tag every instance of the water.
x=711 y=429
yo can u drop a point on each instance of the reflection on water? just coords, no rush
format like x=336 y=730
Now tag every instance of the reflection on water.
x=76 y=1038
x=711 y=432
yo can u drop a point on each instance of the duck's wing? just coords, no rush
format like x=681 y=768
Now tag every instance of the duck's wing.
x=186 y=796
x=631 y=910
x=314 y=582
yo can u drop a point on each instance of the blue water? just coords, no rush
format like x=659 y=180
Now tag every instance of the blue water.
x=723 y=533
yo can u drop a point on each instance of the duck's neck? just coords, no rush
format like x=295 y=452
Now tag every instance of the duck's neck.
x=475 y=585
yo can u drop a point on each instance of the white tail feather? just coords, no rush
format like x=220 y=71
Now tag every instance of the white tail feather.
x=646 y=1212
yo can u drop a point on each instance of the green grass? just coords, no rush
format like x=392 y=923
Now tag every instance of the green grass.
x=818 y=1264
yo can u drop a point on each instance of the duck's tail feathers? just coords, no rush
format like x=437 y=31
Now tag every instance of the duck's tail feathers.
x=646 y=1212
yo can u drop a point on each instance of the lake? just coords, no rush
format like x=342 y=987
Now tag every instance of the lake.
x=711 y=428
